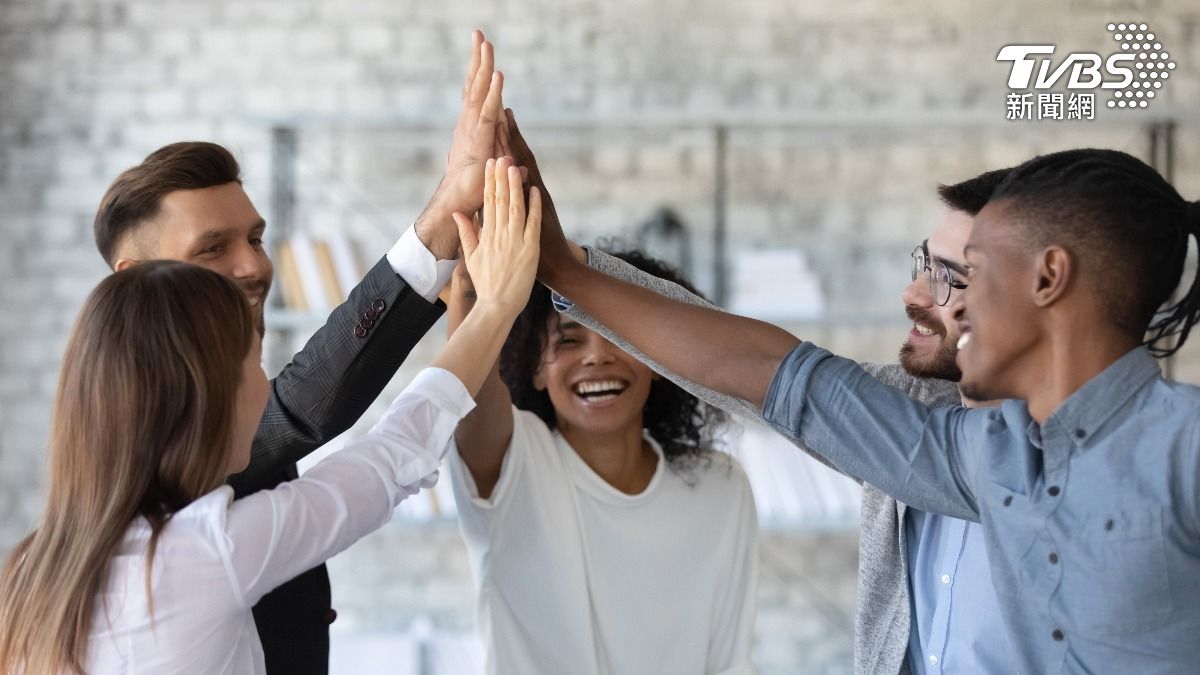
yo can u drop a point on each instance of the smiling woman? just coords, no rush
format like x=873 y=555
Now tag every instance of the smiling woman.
x=606 y=534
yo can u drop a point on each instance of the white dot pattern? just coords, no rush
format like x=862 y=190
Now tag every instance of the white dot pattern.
x=1150 y=63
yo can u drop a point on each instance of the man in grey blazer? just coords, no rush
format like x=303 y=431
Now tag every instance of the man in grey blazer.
x=925 y=598
x=185 y=202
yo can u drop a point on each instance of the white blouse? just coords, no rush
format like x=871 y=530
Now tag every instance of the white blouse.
x=217 y=557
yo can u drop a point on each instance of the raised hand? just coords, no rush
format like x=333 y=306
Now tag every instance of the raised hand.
x=557 y=252
x=502 y=257
x=461 y=187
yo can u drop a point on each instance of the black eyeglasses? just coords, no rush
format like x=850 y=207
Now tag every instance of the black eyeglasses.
x=940 y=280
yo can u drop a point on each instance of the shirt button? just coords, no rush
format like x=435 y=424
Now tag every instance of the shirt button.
x=1057 y=635
x=1080 y=433
x=1053 y=490
x=1053 y=558
x=933 y=660
x=422 y=283
x=1008 y=500
x=945 y=578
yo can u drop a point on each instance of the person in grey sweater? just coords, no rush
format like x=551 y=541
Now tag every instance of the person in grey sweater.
x=925 y=599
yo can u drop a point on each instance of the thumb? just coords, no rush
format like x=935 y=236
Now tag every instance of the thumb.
x=468 y=233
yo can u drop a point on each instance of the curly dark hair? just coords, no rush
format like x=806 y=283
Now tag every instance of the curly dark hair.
x=680 y=422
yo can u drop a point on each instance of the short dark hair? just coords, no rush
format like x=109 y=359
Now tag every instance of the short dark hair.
x=680 y=422
x=1126 y=224
x=137 y=193
x=970 y=196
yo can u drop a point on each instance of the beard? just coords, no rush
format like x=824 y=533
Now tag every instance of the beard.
x=940 y=364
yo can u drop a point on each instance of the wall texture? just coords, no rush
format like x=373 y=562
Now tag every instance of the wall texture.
x=838 y=123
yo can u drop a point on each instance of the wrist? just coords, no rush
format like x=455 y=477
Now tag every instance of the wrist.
x=557 y=271
x=436 y=229
x=495 y=312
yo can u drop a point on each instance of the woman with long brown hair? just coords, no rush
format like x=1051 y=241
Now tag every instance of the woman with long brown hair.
x=142 y=562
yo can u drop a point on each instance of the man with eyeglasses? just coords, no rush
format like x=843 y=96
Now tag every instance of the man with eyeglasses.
x=926 y=603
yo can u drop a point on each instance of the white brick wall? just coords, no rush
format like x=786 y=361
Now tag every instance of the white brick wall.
x=608 y=93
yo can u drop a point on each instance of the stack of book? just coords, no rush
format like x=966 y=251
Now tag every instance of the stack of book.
x=317 y=274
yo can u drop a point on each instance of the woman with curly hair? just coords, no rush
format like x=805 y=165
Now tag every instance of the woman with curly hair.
x=605 y=535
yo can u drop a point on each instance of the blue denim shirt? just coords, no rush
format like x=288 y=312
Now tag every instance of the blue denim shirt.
x=957 y=628
x=1091 y=519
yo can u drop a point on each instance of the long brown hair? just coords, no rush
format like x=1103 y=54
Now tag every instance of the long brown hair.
x=142 y=426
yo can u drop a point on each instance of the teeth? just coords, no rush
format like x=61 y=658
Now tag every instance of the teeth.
x=962 y=341
x=598 y=386
x=923 y=330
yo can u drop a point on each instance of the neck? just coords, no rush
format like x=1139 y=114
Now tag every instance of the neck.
x=1070 y=359
x=622 y=458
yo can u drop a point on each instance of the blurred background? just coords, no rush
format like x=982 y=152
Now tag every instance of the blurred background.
x=784 y=154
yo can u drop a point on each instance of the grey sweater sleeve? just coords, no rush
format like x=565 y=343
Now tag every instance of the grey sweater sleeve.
x=619 y=269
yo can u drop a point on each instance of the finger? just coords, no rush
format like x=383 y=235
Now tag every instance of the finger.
x=502 y=142
x=518 y=141
x=516 y=203
x=483 y=75
x=489 y=113
x=468 y=234
x=503 y=217
x=489 y=197
x=476 y=41
x=533 y=223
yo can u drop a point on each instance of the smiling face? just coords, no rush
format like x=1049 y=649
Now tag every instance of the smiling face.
x=217 y=228
x=931 y=345
x=999 y=321
x=593 y=385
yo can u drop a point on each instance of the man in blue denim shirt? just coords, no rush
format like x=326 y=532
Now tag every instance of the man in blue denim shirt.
x=1087 y=487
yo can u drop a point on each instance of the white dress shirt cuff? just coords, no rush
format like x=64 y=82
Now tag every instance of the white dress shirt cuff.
x=444 y=389
x=424 y=273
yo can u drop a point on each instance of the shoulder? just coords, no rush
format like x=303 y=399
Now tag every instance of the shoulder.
x=196 y=532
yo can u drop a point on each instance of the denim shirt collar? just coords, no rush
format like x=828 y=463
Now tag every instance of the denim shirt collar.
x=1099 y=399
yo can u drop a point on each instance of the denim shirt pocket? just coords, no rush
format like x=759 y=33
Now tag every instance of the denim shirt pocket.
x=1115 y=579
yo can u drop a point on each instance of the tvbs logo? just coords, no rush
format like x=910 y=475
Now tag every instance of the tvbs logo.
x=1084 y=69
x=1133 y=74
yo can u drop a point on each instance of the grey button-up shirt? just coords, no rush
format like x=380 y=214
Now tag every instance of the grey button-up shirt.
x=1091 y=519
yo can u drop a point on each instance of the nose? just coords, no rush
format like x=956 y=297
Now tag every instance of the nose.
x=251 y=263
x=598 y=351
x=916 y=293
x=958 y=304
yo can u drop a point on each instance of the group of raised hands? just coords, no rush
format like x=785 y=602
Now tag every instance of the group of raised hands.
x=493 y=192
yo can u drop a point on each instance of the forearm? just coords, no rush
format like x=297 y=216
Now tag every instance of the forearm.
x=475 y=346
x=729 y=354
x=619 y=269
x=276 y=534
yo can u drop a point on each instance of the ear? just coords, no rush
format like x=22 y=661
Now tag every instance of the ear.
x=1055 y=271
x=124 y=264
x=539 y=380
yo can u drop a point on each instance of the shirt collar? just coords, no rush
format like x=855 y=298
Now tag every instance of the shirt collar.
x=1101 y=397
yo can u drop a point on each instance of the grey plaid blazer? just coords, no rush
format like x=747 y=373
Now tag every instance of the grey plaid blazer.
x=883 y=609
x=321 y=393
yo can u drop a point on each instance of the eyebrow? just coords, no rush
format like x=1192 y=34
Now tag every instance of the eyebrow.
x=955 y=267
x=568 y=324
x=210 y=235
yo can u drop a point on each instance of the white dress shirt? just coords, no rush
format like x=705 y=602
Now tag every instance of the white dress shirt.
x=217 y=557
